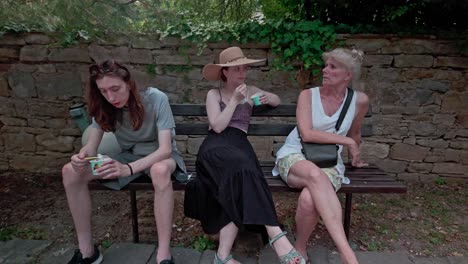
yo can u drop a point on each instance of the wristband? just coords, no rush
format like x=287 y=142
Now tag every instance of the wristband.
x=131 y=170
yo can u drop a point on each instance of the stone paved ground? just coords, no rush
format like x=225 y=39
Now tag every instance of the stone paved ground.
x=47 y=252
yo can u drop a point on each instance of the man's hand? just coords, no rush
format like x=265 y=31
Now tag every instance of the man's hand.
x=112 y=169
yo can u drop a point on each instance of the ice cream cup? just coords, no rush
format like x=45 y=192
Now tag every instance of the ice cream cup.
x=97 y=163
x=256 y=98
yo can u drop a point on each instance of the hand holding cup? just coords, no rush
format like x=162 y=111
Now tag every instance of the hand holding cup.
x=97 y=162
x=258 y=98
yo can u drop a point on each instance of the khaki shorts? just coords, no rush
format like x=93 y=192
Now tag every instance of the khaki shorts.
x=286 y=162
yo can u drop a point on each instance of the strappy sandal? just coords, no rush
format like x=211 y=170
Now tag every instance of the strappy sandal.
x=167 y=261
x=217 y=260
x=293 y=255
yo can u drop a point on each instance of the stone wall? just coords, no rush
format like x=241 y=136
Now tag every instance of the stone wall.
x=417 y=86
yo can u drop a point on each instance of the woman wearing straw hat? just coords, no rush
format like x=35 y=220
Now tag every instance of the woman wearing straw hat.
x=230 y=190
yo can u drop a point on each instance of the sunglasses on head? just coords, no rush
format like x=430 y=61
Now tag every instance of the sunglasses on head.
x=107 y=68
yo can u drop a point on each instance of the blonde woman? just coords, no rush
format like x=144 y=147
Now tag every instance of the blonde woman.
x=317 y=112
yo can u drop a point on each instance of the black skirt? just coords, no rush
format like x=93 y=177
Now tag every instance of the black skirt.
x=230 y=186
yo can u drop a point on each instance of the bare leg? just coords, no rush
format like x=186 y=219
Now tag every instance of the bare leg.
x=227 y=235
x=306 y=219
x=79 y=202
x=163 y=205
x=304 y=174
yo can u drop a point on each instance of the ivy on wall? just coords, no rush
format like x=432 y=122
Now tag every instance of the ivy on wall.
x=295 y=44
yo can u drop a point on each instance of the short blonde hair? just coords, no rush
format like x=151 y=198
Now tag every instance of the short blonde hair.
x=351 y=59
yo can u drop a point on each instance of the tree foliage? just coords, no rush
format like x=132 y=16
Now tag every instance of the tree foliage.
x=70 y=17
x=381 y=16
x=298 y=31
x=294 y=43
x=98 y=16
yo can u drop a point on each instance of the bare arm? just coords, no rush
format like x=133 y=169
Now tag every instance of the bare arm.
x=362 y=108
x=267 y=97
x=163 y=152
x=355 y=130
x=88 y=150
x=217 y=119
x=116 y=169
x=94 y=139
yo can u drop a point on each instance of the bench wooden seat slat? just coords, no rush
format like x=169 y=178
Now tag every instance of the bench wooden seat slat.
x=271 y=164
x=254 y=129
x=276 y=185
x=362 y=187
x=268 y=121
x=353 y=175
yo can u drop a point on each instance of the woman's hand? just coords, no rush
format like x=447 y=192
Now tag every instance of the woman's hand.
x=239 y=93
x=78 y=161
x=355 y=154
x=112 y=169
x=264 y=99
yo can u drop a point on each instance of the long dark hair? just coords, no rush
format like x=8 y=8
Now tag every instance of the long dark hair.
x=105 y=114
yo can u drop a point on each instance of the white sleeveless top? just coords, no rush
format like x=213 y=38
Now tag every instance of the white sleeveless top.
x=322 y=122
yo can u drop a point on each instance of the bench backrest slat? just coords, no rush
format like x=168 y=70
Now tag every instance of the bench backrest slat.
x=271 y=128
x=284 y=110
x=287 y=110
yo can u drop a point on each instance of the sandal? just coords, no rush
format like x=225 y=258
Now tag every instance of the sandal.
x=167 y=261
x=217 y=260
x=293 y=255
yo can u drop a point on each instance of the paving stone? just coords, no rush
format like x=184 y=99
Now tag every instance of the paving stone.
x=20 y=251
x=267 y=256
x=128 y=253
x=318 y=255
x=376 y=257
x=457 y=260
x=44 y=252
x=246 y=259
x=430 y=261
x=58 y=254
x=207 y=257
x=186 y=255
x=181 y=255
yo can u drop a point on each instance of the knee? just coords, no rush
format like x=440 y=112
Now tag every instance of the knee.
x=160 y=176
x=314 y=174
x=70 y=177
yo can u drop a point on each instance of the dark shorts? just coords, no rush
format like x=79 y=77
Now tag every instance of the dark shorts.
x=127 y=157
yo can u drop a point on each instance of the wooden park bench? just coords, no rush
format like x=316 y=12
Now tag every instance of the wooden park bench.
x=191 y=121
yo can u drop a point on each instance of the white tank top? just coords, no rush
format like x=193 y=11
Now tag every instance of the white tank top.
x=322 y=122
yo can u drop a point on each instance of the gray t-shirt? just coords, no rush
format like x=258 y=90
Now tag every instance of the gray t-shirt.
x=158 y=116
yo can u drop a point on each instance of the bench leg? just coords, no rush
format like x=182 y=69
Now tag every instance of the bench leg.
x=347 y=216
x=133 y=206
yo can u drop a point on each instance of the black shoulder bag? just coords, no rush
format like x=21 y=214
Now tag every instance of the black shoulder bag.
x=326 y=155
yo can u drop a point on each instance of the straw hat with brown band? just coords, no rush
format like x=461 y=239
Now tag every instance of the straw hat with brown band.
x=229 y=57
